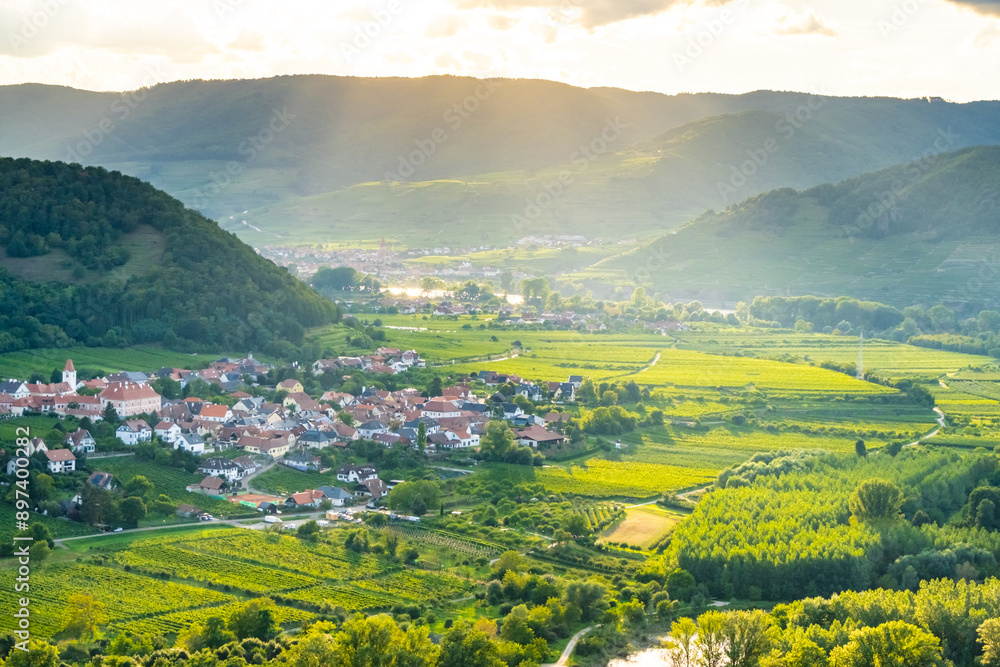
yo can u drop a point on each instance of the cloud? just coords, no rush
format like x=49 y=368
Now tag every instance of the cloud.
x=805 y=24
x=445 y=27
x=980 y=6
x=588 y=13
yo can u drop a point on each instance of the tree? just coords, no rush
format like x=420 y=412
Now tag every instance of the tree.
x=212 y=635
x=892 y=643
x=588 y=597
x=465 y=647
x=681 y=646
x=577 y=525
x=308 y=529
x=409 y=496
x=133 y=510
x=83 y=615
x=860 y=449
x=316 y=649
x=986 y=515
x=422 y=436
x=110 y=415
x=42 y=487
x=99 y=505
x=748 y=636
x=876 y=499
x=509 y=561
x=139 y=486
x=39 y=654
x=989 y=637
x=711 y=639
x=435 y=387
x=498 y=441
x=257 y=618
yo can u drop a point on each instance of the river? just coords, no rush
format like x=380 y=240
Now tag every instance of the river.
x=648 y=657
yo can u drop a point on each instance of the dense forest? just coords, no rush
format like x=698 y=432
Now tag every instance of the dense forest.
x=937 y=327
x=209 y=289
x=781 y=526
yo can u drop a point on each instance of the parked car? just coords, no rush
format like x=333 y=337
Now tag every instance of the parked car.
x=117 y=530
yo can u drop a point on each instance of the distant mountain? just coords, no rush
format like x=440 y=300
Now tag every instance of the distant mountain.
x=311 y=158
x=94 y=257
x=924 y=232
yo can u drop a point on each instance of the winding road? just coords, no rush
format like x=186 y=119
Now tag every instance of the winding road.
x=568 y=651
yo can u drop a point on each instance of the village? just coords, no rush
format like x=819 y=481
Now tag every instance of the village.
x=233 y=442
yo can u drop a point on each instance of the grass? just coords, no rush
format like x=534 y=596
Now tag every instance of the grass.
x=286 y=481
x=101 y=360
x=166 y=480
x=643 y=526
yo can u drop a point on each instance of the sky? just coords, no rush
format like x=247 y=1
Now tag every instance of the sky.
x=900 y=48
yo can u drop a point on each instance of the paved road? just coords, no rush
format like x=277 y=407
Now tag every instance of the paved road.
x=291 y=518
x=564 y=658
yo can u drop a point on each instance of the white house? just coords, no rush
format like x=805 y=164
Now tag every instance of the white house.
x=440 y=410
x=134 y=431
x=356 y=474
x=463 y=436
x=80 y=440
x=60 y=461
x=167 y=431
x=190 y=442
x=220 y=467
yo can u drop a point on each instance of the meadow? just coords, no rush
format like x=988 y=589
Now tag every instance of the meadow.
x=102 y=360
x=643 y=526
x=601 y=478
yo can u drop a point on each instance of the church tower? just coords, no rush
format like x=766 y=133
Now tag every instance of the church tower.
x=69 y=374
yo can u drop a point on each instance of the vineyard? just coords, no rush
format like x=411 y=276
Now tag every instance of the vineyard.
x=440 y=538
x=982 y=388
x=156 y=559
x=694 y=369
x=600 y=517
x=241 y=563
x=600 y=478
x=119 y=592
x=176 y=622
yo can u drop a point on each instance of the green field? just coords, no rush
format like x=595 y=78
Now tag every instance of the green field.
x=99 y=360
x=166 y=480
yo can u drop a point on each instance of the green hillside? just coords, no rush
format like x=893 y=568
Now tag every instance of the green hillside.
x=300 y=154
x=924 y=232
x=97 y=258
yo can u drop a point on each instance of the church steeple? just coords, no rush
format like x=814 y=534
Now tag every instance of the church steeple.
x=69 y=374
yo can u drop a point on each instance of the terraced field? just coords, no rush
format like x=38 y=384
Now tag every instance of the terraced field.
x=685 y=368
x=175 y=576
x=601 y=478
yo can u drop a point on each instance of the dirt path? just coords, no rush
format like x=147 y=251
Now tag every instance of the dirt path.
x=940 y=421
x=564 y=658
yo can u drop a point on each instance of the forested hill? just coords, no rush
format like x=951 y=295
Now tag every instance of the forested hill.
x=95 y=257
x=925 y=232
x=308 y=158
